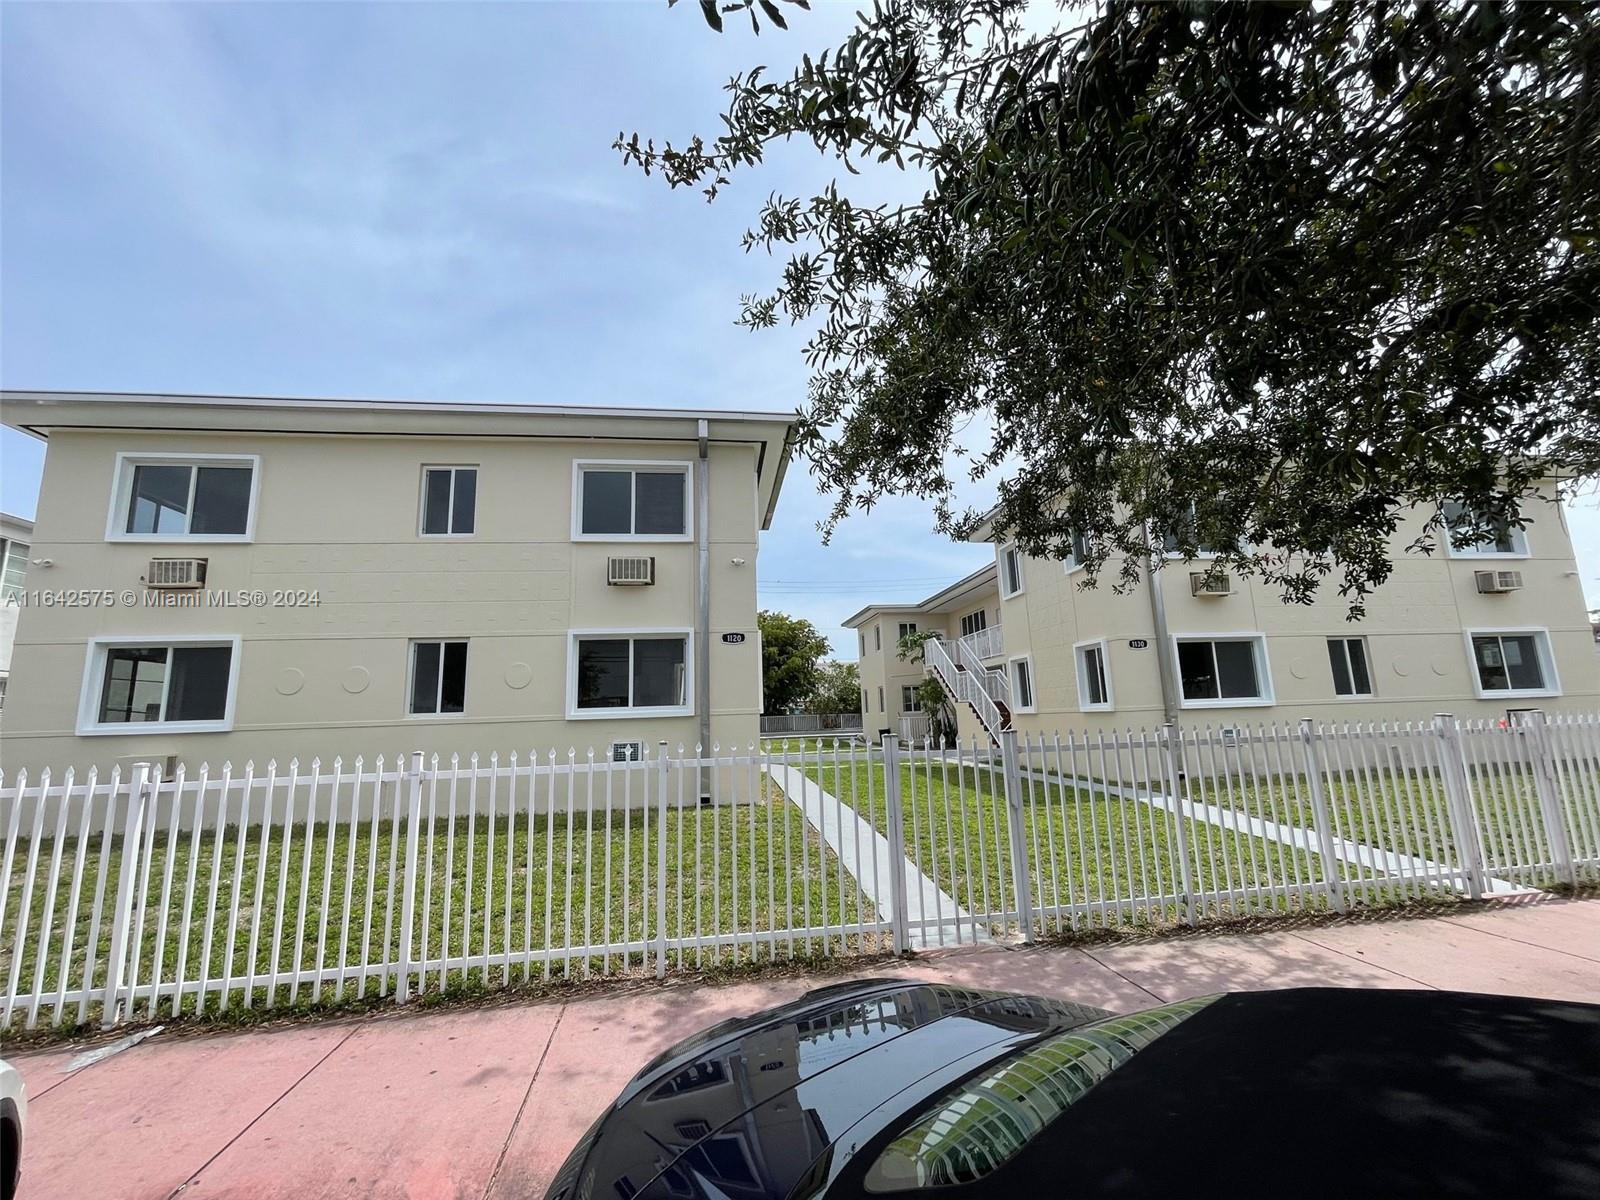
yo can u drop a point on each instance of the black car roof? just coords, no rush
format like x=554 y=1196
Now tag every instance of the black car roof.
x=1327 y=1092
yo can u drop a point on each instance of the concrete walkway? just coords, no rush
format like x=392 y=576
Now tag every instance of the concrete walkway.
x=487 y=1102
x=936 y=921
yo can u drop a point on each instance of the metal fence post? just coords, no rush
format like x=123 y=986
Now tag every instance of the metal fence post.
x=1170 y=746
x=661 y=861
x=899 y=918
x=1458 y=802
x=408 y=878
x=1536 y=735
x=122 y=912
x=1320 y=820
x=1023 y=884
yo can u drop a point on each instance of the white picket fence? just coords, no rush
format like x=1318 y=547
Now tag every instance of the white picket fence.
x=135 y=897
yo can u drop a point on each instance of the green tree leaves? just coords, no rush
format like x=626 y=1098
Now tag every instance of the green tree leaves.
x=1299 y=269
x=791 y=656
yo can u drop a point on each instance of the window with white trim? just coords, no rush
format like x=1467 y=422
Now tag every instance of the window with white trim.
x=449 y=501
x=1187 y=528
x=438 y=678
x=973 y=622
x=880 y=699
x=209 y=498
x=1011 y=577
x=1513 y=663
x=1022 y=685
x=1077 y=551
x=877 y=637
x=646 y=672
x=1094 y=676
x=184 y=686
x=1217 y=672
x=909 y=700
x=1347 y=656
x=907 y=628
x=1500 y=540
x=13 y=568
x=618 y=501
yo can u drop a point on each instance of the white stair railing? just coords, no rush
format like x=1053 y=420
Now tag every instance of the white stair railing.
x=986 y=643
x=993 y=683
x=965 y=685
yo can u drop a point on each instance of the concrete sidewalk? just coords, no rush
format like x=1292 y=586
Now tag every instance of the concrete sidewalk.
x=487 y=1102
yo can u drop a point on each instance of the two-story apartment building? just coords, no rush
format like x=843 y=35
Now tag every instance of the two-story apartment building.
x=967 y=608
x=235 y=578
x=1479 y=631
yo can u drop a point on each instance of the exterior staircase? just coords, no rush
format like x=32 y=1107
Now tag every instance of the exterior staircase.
x=986 y=692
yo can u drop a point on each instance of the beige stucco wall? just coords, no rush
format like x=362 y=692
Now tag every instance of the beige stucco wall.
x=1414 y=628
x=339 y=515
x=881 y=666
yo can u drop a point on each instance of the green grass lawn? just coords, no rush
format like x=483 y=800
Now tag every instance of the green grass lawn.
x=497 y=888
x=1084 y=847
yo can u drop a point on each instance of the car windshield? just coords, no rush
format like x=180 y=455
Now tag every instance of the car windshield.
x=984 y=1122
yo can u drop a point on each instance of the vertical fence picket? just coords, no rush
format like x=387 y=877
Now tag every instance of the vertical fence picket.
x=138 y=791
x=79 y=861
x=212 y=883
x=41 y=957
x=262 y=852
x=408 y=879
x=661 y=860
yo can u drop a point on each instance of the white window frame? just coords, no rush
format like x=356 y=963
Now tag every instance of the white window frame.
x=450 y=516
x=684 y=465
x=1022 y=575
x=1366 y=651
x=1263 y=668
x=877 y=637
x=908 y=698
x=411 y=675
x=574 y=636
x=905 y=630
x=977 y=613
x=1519 y=539
x=94 y=677
x=1033 y=683
x=1081 y=661
x=1072 y=562
x=880 y=698
x=8 y=551
x=1547 y=661
x=122 y=495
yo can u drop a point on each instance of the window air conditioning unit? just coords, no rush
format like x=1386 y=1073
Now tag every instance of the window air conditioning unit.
x=1203 y=583
x=1492 y=583
x=632 y=571
x=174 y=574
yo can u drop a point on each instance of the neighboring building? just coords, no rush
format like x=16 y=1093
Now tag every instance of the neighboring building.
x=16 y=540
x=1480 y=633
x=967 y=608
x=381 y=577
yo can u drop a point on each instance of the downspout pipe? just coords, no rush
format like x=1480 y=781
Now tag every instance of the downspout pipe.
x=1158 y=618
x=702 y=640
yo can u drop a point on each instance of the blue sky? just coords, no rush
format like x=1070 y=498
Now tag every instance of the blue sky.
x=415 y=201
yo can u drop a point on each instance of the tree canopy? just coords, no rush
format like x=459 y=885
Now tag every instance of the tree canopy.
x=1265 y=275
x=838 y=689
x=791 y=656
